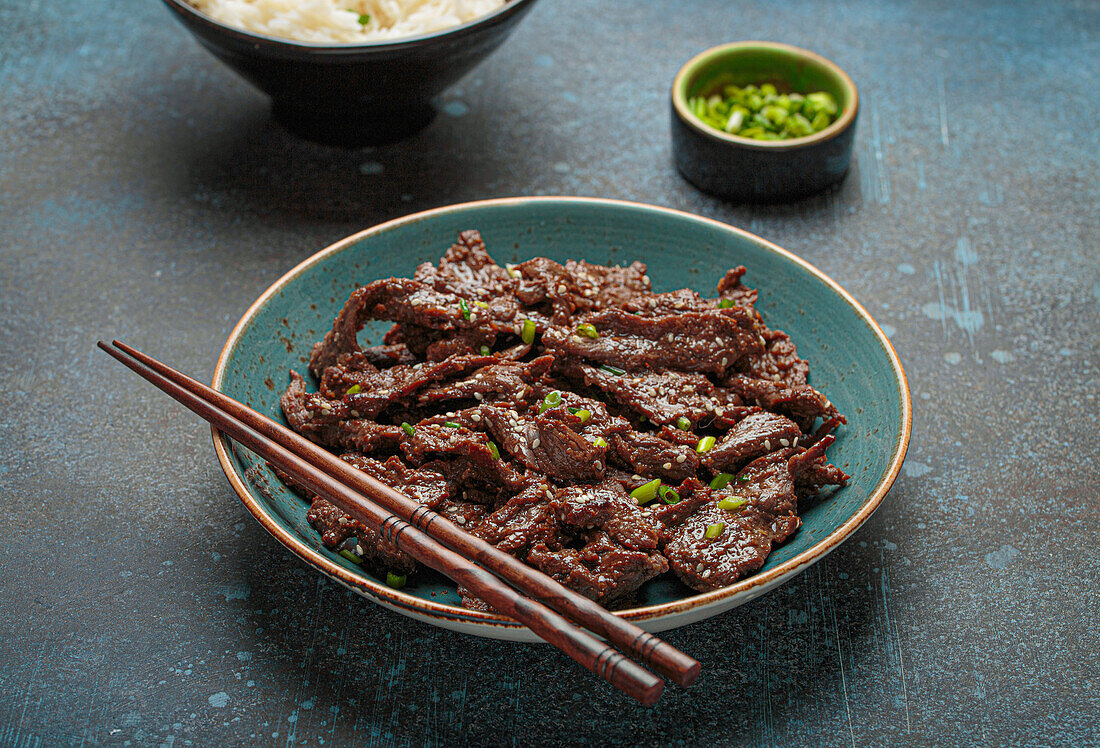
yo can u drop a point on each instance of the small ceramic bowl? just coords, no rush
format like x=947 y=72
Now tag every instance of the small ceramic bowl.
x=354 y=93
x=746 y=170
x=850 y=359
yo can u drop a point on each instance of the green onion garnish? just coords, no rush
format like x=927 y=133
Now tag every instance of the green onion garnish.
x=613 y=370
x=600 y=442
x=451 y=424
x=732 y=505
x=353 y=390
x=582 y=413
x=725 y=303
x=485 y=350
x=588 y=330
x=464 y=308
x=668 y=495
x=705 y=444
x=494 y=451
x=512 y=270
x=364 y=18
x=351 y=557
x=721 y=480
x=527 y=332
x=683 y=424
x=397 y=581
x=408 y=427
x=552 y=400
x=744 y=478
x=481 y=304
x=715 y=530
x=646 y=492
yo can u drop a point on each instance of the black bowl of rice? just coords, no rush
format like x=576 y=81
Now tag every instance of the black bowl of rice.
x=351 y=71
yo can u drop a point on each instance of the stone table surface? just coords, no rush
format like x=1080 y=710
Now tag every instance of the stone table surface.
x=146 y=194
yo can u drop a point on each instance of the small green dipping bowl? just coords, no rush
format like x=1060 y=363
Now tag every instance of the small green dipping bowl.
x=747 y=170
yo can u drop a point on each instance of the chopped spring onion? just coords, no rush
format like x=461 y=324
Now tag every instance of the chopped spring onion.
x=725 y=303
x=485 y=350
x=732 y=505
x=494 y=451
x=705 y=444
x=512 y=270
x=721 y=480
x=715 y=530
x=353 y=390
x=464 y=308
x=481 y=304
x=600 y=441
x=582 y=413
x=683 y=424
x=552 y=400
x=613 y=370
x=408 y=427
x=646 y=492
x=351 y=556
x=397 y=581
x=668 y=494
x=527 y=332
x=744 y=478
x=588 y=330
x=451 y=425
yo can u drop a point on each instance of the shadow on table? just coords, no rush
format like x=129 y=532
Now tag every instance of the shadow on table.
x=774 y=669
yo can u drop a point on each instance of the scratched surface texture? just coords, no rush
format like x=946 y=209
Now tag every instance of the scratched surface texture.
x=145 y=193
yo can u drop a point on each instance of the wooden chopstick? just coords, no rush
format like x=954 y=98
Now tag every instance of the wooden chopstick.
x=593 y=654
x=666 y=659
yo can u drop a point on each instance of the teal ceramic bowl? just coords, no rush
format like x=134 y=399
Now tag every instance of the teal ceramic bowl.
x=850 y=359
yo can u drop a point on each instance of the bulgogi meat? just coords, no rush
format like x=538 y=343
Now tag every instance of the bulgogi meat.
x=598 y=431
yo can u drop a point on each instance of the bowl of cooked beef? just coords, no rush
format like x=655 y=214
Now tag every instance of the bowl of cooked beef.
x=664 y=413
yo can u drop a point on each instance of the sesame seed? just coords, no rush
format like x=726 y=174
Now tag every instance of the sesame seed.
x=719 y=341
x=478 y=396
x=680 y=459
x=475 y=417
x=460 y=520
x=768 y=445
x=535 y=444
x=795 y=442
x=723 y=362
x=699 y=569
x=706 y=573
x=667 y=466
x=785 y=442
x=354 y=414
x=548 y=494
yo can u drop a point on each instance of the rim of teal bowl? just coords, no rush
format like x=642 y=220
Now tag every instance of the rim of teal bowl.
x=442 y=611
x=508 y=8
x=679 y=102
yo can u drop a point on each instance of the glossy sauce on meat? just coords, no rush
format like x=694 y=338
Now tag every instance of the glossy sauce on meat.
x=531 y=404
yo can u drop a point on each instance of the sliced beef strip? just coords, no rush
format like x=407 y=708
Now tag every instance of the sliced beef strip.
x=706 y=342
x=607 y=286
x=385 y=356
x=465 y=453
x=426 y=486
x=650 y=455
x=660 y=397
x=408 y=302
x=341 y=532
x=601 y=570
x=606 y=506
x=767 y=518
x=314 y=417
x=731 y=287
x=778 y=362
x=546 y=442
x=400 y=383
x=511 y=381
x=811 y=470
x=523 y=521
x=800 y=402
x=693 y=495
x=756 y=435
x=468 y=271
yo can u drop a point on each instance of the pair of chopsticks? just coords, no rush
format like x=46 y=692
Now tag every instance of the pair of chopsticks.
x=553 y=612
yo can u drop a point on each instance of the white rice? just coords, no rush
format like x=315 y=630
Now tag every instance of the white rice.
x=338 y=20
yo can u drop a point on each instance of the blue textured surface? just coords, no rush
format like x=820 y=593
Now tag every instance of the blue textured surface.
x=144 y=194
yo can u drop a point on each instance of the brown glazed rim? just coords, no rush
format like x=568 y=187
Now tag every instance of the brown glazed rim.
x=442 y=611
x=679 y=103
